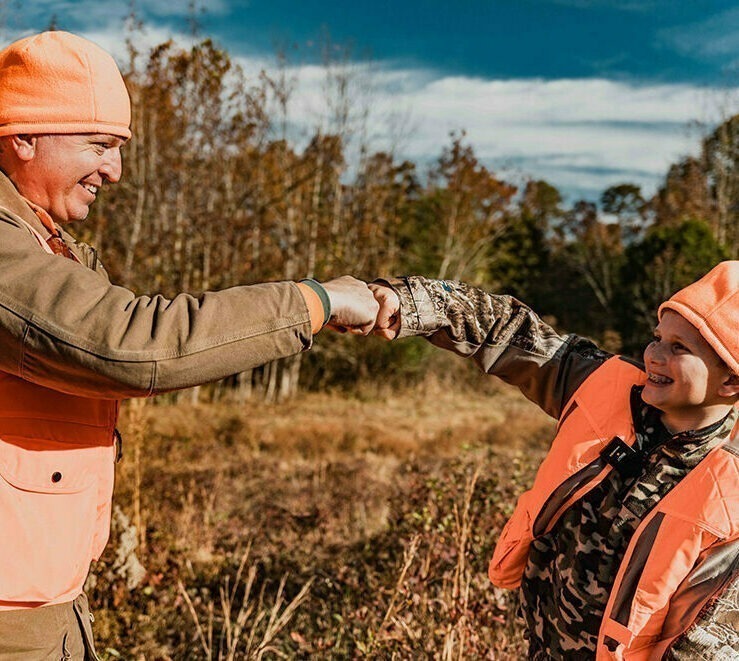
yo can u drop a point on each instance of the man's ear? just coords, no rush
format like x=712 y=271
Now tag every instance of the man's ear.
x=730 y=387
x=24 y=146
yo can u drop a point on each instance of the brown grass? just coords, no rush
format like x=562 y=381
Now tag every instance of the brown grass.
x=329 y=527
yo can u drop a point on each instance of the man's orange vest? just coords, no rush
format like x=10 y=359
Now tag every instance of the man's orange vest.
x=681 y=554
x=57 y=457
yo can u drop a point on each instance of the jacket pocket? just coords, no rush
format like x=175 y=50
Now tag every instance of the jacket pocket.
x=512 y=550
x=47 y=515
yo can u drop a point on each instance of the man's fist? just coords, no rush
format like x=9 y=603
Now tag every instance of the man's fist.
x=353 y=307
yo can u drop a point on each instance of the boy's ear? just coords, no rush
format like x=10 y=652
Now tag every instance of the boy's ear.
x=730 y=387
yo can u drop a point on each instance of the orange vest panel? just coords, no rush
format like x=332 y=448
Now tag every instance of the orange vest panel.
x=57 y=456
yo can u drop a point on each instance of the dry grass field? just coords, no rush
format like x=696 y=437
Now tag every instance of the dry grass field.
x=325 y=527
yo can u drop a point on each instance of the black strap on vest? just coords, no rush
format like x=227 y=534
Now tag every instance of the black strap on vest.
x=628 y=460
x=625 y=459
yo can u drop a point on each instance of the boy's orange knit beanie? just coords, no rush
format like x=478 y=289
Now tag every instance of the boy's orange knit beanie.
x=712 y=305
x=57 y=82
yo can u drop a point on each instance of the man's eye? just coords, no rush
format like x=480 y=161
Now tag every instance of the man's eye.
x=679 y=347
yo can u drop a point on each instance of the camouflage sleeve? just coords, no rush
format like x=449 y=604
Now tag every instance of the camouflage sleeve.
x=715 y=633
x=501 y=335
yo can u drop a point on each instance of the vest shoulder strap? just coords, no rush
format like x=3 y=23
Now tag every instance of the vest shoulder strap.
x=605 y=394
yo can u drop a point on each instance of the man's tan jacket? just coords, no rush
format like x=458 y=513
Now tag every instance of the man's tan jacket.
x=72 y=345
x=69 y=328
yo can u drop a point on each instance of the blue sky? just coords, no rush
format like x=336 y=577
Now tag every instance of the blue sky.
x=656 y=40
x=584 y=93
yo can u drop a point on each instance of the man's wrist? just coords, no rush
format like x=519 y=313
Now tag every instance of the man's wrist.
x=322 y=294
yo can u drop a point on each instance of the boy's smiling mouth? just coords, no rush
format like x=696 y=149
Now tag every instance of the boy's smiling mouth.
x=658 y=379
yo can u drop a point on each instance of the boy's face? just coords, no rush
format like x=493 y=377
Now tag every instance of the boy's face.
x=686 y=379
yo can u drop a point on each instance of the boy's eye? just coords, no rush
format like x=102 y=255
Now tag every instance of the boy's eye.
x=679 y=347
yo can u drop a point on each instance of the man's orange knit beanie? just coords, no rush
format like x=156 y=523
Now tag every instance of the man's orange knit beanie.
x=56 y=82
x=712 y=305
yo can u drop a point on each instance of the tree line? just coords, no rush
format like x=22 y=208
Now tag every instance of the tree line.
x=215 y=194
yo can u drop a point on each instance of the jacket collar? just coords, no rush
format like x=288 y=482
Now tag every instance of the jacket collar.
x=12 y=200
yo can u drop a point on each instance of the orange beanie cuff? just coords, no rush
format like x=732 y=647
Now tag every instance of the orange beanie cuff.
x=712 y=305
x=57 y=82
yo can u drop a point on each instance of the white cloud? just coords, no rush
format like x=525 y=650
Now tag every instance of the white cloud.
x=106 y=20
x=114 y=40
x=582 y=135
x=716 y=36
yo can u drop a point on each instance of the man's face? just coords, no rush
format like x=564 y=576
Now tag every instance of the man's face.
x=684 y=373
x=65 y=172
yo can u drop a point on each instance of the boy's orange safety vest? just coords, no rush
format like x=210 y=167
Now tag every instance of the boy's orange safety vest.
x=682 y=553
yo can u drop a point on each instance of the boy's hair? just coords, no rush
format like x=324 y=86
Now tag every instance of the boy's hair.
x=712 y=305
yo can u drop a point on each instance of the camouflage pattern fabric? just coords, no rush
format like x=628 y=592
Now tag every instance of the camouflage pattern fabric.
x=499 y=333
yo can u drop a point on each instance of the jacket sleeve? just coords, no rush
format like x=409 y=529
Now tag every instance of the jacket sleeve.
x=66 y=327
x=715 y=632
x=501 y=335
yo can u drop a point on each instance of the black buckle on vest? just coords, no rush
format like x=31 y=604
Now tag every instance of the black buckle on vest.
x=622 y=457
x=611 y=643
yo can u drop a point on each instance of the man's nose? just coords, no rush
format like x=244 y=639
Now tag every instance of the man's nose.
x=112 y=167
